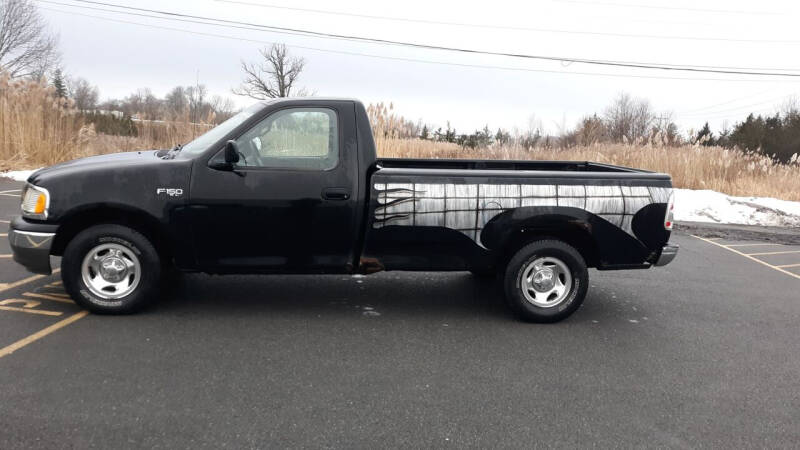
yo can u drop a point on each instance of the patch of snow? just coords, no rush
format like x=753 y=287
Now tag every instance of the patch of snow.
x=18 y=175
x=716 y=207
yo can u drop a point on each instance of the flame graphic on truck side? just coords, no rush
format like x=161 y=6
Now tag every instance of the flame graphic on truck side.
x=467 y=208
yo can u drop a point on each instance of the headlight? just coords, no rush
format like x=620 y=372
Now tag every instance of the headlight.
x=35 y=202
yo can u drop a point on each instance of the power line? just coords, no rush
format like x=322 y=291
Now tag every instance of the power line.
x=728 y=102
x=302 y=34
x=464 y=24
x=765 y=111
x=287 y=30
x=423 y=61
x=512 y=28
x=672 y=8
x=740 y=108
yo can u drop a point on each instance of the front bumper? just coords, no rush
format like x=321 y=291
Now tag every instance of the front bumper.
x=668 y=253
x=30 y=244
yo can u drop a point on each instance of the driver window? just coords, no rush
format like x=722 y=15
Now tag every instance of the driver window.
x=299 y=138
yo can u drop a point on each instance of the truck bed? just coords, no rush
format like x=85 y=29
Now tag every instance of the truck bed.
x=553 y=170
x=475 y=164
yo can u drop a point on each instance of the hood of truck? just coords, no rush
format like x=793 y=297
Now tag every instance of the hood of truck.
x=133 y=181
x=95 y=163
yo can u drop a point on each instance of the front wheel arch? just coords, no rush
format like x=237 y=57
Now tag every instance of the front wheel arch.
x=132 y=218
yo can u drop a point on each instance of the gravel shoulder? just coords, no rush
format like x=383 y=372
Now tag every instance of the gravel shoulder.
x=777 y=235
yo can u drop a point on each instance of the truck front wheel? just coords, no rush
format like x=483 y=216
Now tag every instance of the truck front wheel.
x=111 y=269
x=546 y=281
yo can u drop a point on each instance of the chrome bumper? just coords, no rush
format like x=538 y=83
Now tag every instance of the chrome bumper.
x=32 y=249
x=668 y=253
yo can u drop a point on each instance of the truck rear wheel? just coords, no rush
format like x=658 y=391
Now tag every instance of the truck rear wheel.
x=546 y=281
x=111 y=269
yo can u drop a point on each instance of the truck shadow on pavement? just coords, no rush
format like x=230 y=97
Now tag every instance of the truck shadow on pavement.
x=386 y=295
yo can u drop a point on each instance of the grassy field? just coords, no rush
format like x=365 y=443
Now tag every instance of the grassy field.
x=37 y=129
x=693 y=167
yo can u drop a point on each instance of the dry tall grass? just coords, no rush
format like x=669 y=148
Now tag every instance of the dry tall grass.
x=693 y=167
x=38 y=129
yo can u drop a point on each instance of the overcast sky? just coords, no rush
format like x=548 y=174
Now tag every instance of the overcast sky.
x=121 y=57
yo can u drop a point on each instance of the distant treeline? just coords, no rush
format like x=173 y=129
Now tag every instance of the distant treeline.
x=626 y=120
x=777 y=136
x=630 y=121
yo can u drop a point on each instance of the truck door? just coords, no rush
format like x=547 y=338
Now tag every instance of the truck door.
x=289 y=205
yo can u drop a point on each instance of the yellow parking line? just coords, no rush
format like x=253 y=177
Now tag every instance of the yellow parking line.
x=30 y=311
x=3 y=234
x=753 y=245
x=788 y=265
x=5 y=351
x=5 y=256
x=48 y=297
x=774 y=253
x=7 y=286
x=55 y=294
x=4 y=221
x=749 y=257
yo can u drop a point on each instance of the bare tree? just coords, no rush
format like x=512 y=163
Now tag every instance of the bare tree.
x=176 y=102
x=223 y=108
x=590 y=130
x=27 y=49
x=665 y=130
x=142 y=103
x=198 y=107
x=629 y=119
x=790 y=106
x=272 y=78
x=83 y=94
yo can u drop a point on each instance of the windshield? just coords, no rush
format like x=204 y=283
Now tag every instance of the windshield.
x=202 y=143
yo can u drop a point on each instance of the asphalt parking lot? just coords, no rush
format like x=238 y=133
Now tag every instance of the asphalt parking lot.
x=701 y=353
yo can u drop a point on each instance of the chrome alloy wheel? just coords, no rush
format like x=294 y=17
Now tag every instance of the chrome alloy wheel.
x=546 y=282
x=111 y=271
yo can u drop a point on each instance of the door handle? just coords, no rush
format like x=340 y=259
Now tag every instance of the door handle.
x=336 y=194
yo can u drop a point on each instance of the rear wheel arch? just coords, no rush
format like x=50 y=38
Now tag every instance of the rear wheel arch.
x=574 y=233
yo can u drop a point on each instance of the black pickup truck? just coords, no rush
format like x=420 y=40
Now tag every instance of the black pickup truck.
x=294 y=186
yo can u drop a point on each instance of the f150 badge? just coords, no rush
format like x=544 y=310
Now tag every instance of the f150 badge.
x=172 y=192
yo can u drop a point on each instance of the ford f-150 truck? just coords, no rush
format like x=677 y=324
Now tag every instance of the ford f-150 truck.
x=294 y=186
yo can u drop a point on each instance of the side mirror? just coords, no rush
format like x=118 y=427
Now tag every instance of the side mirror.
x=225 y=159
x=231 y=153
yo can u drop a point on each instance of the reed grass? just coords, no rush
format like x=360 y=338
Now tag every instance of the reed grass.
x=37 y=129
x=693 y=167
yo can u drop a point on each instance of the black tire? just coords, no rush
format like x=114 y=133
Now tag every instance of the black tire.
x=573 y=298
x=130 y=242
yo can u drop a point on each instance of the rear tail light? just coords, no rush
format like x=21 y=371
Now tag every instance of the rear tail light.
x=669 y=217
